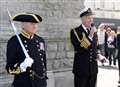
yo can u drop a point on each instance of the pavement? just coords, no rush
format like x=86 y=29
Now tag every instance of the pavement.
x=107 y=77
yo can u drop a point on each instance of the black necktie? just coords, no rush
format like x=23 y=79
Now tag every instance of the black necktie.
x=88 y=31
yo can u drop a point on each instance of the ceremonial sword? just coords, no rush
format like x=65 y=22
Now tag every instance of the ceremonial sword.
x=18 y=37
x=20 y=41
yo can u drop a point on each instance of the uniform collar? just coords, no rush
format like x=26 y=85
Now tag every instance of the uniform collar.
x=25 y=34
x=85 y=28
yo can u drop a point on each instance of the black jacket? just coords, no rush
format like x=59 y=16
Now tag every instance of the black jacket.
x=15 y=55
x=118 y=45
x=85 y=63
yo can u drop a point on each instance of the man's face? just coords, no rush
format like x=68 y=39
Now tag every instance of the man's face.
x=87 y=20
x=30 y=27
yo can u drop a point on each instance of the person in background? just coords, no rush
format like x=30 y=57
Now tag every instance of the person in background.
x=102 y=40
x=108 y=30
x=111 y=47
x=118 y=48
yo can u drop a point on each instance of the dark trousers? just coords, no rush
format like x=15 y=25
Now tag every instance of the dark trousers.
x=25 y=81
x=119 y=66
x=111 y=56
x=85 y=81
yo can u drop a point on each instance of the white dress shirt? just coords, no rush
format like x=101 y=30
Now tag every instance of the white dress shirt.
x=85 y=28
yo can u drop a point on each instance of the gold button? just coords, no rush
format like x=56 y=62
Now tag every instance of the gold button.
x=26 y=46
x=38 y=49
x=91 y=57
x=25 y=41
x=44 y=69
x=90 y=60
x=31 y=75
x=30 y=71
x=41 y=59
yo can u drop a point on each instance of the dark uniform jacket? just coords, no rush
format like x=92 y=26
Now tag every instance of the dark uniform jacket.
x=85 y=63
x=118 y=45
x=34 y=76
x=106 y=36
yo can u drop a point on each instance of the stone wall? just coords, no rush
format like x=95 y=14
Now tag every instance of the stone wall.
x=59 y=16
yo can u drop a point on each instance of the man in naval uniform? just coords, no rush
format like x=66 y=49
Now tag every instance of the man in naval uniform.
x=28 y=72
x=84 y=40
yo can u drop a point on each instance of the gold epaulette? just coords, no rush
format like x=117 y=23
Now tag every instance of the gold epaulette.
x=15 y=71
x=84 y=42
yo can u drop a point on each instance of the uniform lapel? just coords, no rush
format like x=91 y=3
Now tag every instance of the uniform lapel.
x=86 y=34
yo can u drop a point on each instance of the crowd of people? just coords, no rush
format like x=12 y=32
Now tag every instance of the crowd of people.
x=107 y=43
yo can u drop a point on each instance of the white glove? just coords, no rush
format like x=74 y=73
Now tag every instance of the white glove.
x=26 y=63
x=101 y=57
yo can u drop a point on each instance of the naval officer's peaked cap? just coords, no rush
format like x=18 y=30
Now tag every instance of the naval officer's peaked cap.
x=86 y=12
x=27 y=17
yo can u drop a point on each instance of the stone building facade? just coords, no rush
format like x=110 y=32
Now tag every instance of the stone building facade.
x=105 y=8
x=59 y=16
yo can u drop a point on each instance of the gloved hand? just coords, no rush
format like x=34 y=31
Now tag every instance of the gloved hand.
x=101 y=57
x=26 y=63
